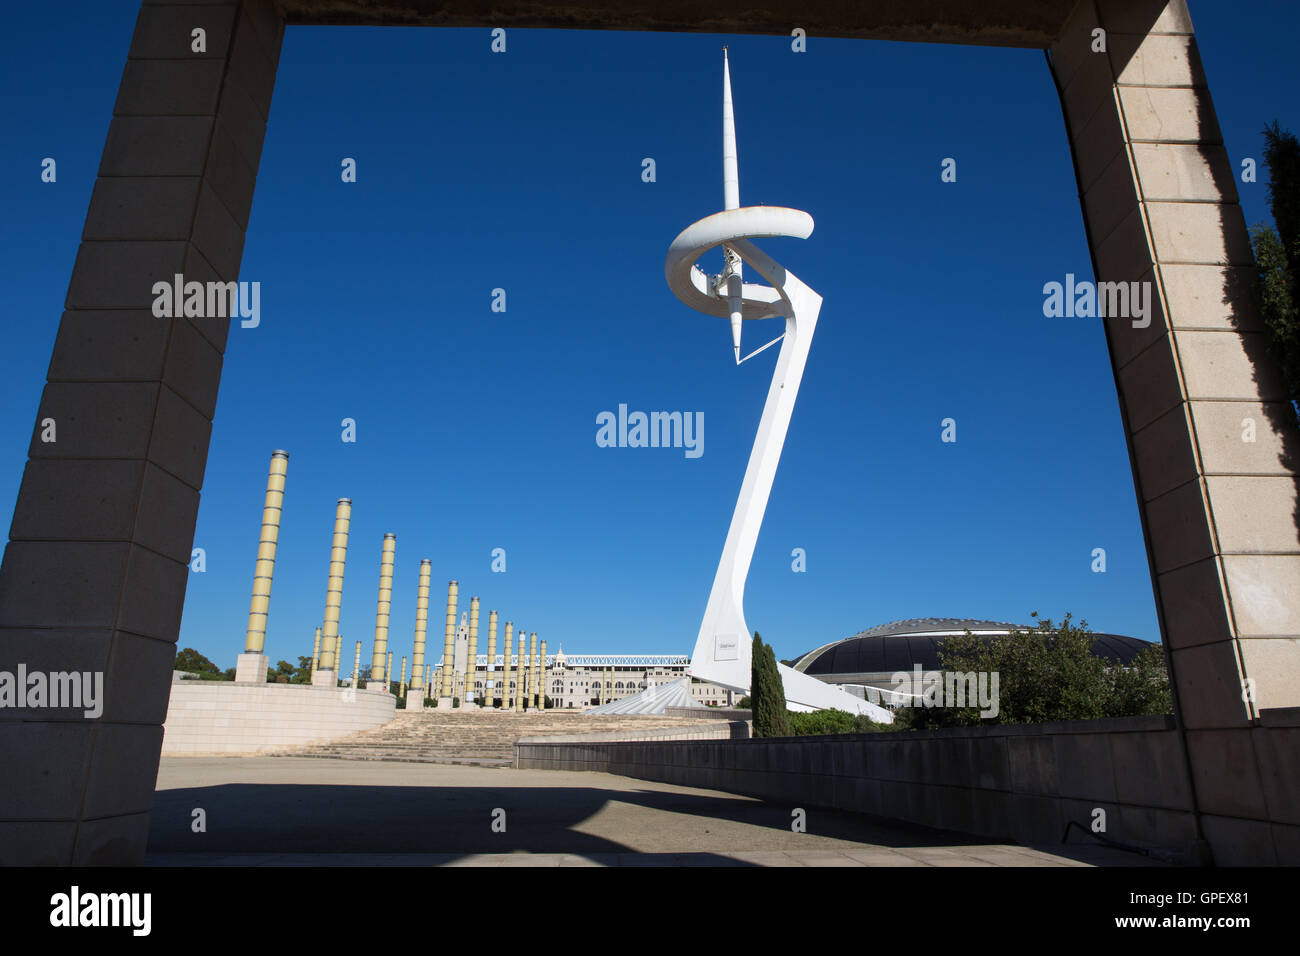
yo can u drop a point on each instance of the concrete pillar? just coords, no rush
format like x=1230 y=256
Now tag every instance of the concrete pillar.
x=521 y=669
x=250 y=668
x=382 y=612
x=315 y=652
x=1220 y=514
x=471 y=659
x=402 y=687
x=331 y=643
x=421 y=628
x=541 y=700
x=507 y=695
x=449 y=650
x=489 y=675
x=93 y=576
x=356 y=665
x=532 y=672
x=388 y=671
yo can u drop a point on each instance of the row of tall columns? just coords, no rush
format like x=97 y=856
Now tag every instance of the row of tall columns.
x=327 y=658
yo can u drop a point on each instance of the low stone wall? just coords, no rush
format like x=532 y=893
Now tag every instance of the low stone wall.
x=731 y=730
x=710 y=713
x=206 y=718
x=1021 y=783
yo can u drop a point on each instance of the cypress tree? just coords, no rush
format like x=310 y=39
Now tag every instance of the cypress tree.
x=767 y=692
x=1277 y=256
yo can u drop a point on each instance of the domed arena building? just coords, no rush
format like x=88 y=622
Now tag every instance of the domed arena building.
x=865 y=663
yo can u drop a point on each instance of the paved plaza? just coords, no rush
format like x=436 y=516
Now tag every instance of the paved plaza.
x=286 y=811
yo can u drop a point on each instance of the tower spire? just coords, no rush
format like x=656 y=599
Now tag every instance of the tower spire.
x=730 y=173
x=732 y=273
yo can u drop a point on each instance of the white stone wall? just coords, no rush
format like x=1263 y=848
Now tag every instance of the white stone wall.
x=220 y=717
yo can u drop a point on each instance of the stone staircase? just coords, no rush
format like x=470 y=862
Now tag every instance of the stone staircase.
x=483 y=738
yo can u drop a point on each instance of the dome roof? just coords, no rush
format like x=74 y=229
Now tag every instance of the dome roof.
x=901 y=645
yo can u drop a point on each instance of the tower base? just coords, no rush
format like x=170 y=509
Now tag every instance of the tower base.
x=324 y=678
x=444 y=703
x=251 y=668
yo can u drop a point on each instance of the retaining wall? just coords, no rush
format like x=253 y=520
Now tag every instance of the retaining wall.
x=221 y=717
x=1021 y=783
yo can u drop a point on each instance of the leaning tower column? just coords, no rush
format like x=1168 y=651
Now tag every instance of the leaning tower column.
x=382 y=611
x=507 y=697
x=488 y=689
x=532 y=672
x=541 y=684
x=327 y=674
x=250 y=668
x=449 y=650
x=521 y=671
x=421 y=628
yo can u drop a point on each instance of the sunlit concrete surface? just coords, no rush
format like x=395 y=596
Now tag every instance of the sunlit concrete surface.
x=287 y=811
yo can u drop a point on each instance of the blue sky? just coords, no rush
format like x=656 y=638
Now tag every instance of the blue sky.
x=476 y=430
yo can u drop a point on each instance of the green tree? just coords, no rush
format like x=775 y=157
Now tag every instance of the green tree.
x=280 y=674
x=302 y=673
x=1277 y=255
x=832 y=721
x=767 y=693
x=191 y=660
x=1048 y=673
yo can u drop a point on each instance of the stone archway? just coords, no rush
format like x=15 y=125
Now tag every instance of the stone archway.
x=95 y=571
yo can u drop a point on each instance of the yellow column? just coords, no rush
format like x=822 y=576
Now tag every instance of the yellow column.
x=255 y=638
x=421 y=627
x=449 y=648
x=541 y=701
x=356 y=665
x=251 y=666
x=471 y=659
x=507 y=696
x=403 y=684
x=521 y=668
x=388 y=671
x=491 y=673
x=315 y=652
x=383 y=610
x=532 y=672
x=329 y=661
